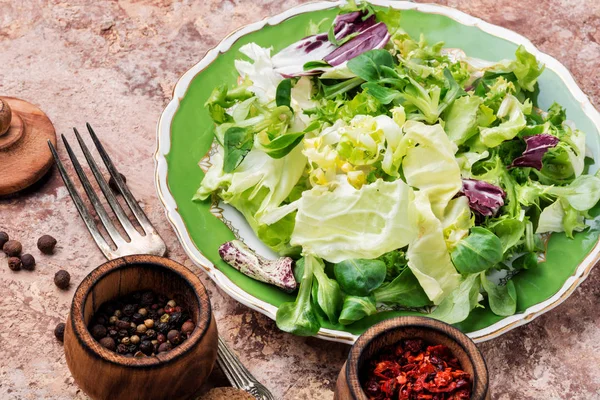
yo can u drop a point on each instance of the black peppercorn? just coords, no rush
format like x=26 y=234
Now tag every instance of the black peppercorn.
x=28 y=262
x=122 y=333
x=98 y=332
x=62 y=279
x=14 y=263
x=161 y=338
x=112 y=183
x=12 y=248
x=59 y=331
x=132 y=348
x=174 y=337
x=46 y=244
x=3 y=238
x=175 y=318
x=113 y=333
x=137 y=318
x=147 y=298
x=129 y=310
x=122 y=349
x=101 y=319
x=162 y=327
x=146 y=347
x=161 y=299
x=108 y=342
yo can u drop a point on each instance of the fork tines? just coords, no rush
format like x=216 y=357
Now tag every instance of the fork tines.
x=134 y=242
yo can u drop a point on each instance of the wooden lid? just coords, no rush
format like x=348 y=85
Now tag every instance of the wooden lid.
x=24 y=153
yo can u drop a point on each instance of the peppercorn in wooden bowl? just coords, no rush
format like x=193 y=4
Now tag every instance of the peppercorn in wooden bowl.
x=175 y=374
x=439 y=357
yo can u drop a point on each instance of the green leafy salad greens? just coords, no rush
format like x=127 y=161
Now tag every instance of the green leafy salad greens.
x=399 y=174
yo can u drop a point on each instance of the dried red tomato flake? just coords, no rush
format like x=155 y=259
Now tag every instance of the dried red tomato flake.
x=414 y=370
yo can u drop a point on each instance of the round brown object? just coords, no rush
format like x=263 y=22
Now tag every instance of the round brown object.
x=3 y=238
x=46 y=244
x=59 y=331
x=14 y=263
x=109 y=343
x=12 y=248
x=24 y=153
x=62 y=279
x=113 y=184
x=227 y=393
x=28 y=262
x=5 y=117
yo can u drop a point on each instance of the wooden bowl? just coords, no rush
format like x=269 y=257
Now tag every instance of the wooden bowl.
x=391 y=331
x=175 y=374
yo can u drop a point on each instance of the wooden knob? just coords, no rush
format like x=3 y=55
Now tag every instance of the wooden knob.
x=5 y=117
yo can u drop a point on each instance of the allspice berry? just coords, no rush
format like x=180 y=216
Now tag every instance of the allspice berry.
x=12 y=248
x=14 y=263
x=59 y=331
x=166 y=346
x=62 y=279
x=28 y=262
x=108 y=343
x=174 y=337
x=113 y=184
x=46 y=244
x=187 y=327
x=3 y=238
x=98 y=332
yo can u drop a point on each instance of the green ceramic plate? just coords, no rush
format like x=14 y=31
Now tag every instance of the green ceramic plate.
x=185 y=134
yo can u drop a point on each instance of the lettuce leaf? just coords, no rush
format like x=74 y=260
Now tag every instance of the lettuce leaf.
x=513 y=113
x=353 y=223
x=429 y=163
x=462 y=118
x=457 y=306
x=428 y=256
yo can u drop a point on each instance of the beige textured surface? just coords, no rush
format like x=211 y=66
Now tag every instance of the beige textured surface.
x=114 y=64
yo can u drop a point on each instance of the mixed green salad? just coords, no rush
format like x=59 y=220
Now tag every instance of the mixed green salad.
x=396 y=173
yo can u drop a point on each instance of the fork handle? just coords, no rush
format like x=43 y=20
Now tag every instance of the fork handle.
x=237 y=374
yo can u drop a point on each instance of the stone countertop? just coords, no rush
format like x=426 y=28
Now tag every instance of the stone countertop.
x=114 y=64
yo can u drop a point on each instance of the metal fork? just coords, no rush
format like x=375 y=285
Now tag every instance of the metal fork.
x=148 y=242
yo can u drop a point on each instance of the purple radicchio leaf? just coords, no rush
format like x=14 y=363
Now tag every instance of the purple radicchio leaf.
x=290 y=61
x=374 y=37
x=537 y=146
x=275 y=272
x=484 y=198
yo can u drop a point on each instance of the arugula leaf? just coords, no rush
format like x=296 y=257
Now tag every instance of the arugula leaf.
x=368 y=65
x=237 y=144
x=283 y=96
x=502 y=299
x=477 y=252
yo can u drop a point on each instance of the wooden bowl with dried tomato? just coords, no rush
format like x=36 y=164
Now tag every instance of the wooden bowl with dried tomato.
x=409 y=358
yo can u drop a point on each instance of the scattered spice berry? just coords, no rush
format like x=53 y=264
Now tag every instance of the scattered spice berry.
x=131 y=325
x=3 y=238
x=14 y=263
x=59 y=331
x=62 y=279
x=28 y=262
x=12 y=248
x=412 y=369
x=113 y=184
x=46 y=244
